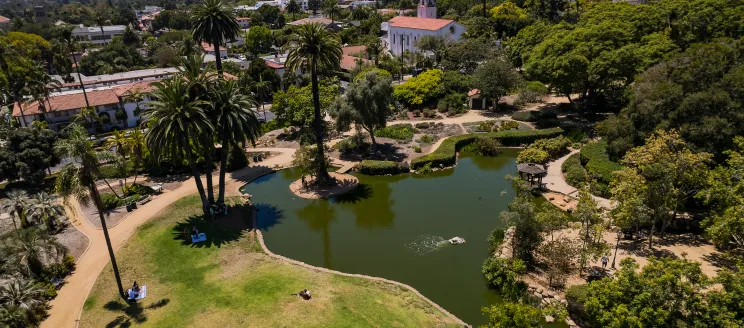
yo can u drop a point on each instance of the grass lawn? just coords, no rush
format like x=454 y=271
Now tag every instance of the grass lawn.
x=230 y=282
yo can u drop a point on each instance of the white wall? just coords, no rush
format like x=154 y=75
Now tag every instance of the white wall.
x=410 y=35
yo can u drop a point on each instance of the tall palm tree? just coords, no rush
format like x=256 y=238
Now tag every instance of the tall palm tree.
x=360 y=13
x=136 y=143
x=65 y=34
x=44 y=208
x=175 y=119
x=212 y=22
x=40 y=88
x=27 y=249
x=331 y=9
x=314 y=46
x=236 y=123
x=78 y=181
x=100 y=20
x=118 y=140
x=15 y=205
x=262 y=91
x=21 y=297
x=293 y=7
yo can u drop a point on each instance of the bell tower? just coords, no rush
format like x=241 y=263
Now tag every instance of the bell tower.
x=427 y=9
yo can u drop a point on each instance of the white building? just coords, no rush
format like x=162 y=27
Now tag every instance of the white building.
x=244 y=22
x=244 y=64
x=97 y=81
x=369 y=3
x=94 y=35
x=403 y=31
x=147 y=11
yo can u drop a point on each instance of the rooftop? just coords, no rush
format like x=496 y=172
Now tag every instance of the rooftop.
x=97 y=29
x=143 y=73
x=531 y=168
x=354 y=50
x=4 y=19
x=429 y=24
x=324 y=21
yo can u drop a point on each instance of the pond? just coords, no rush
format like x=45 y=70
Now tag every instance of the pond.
x=394 y=227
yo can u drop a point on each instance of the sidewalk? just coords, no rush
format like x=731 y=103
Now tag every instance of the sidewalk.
x=554 y=181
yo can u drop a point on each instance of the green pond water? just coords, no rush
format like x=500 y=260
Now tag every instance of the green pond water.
x=394 y=227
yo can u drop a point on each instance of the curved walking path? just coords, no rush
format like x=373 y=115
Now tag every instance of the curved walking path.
x=67 y=306
x=554 y=181
x=311 y=267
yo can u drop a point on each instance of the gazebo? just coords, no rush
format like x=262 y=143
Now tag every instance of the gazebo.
x=531 y=172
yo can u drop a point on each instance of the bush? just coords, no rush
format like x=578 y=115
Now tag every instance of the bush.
x=59 y=270
x=425 y=169
x=423 y=125
x=503 y=274
x=488 y=146
x=509 y=125
x=110 y=172
x=110 y=201
x=534 y=116
x=597 y=162
x=495 y=239
x=454 y=103
x=445 y=155
x=402 y=132
x=371 y=167
x=417 y=149
x=486 y=126
x=428 y=113
x=236 y=159
x=532 y=92
x=121 y=114
x=137 y=189
x=576 y=296
x=416 y=113
x=533 y=155
x=555 y=147
x=427 y=139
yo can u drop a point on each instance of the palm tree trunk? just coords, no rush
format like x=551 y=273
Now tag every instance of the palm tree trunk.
x=223 y=166
x=195 y=173
x=209 y=163
x=103 y=36
x=77 y=69
x=218 y=58
x=322 y=170
x=99 y=206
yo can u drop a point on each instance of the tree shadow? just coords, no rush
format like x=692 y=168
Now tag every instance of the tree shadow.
x=361 y=192
x=268 y=216
x=722 y=260
x=382 y=151
x=133 y=313
x=686 y=239
x=216 y=234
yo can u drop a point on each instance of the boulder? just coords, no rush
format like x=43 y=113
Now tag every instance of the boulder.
x=549 y=319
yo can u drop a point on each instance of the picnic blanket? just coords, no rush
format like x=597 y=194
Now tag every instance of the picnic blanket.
x=199 y=238
x=142 y=293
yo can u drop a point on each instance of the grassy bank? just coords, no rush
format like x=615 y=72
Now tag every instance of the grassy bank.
x=230 y=282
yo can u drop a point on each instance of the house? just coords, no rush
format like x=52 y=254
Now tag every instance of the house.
x=94 y=35
x=369 y=3
x=146 y=20
x=147 y=11
x=209 y=50
x=4 y=21
x=242 y=63
x=244 y=22
x=475 y=101
x=98 y=81
x=352 y=56
x=403 y=31
x=330 y=25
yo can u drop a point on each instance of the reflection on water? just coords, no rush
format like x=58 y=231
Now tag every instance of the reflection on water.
x=395 y=227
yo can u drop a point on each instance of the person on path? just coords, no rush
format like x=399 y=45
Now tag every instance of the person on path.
x=604 y=261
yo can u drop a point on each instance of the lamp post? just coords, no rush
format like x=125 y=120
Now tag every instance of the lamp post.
x=617 y=245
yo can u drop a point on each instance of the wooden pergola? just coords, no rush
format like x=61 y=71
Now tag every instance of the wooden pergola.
x=532 y=173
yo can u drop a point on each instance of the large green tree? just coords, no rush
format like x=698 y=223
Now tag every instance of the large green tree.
x=317 y=48
x=366 y=103
x=214 y=22
x=27 y=153
x=496 y=79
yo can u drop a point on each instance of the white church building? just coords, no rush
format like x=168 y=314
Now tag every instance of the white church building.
x=403 y=31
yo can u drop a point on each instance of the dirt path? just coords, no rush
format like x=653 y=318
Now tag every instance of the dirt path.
x=67 y=306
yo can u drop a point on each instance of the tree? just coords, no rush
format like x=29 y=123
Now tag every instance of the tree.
x=175 y=118
x=44 y=208
x=504 y=275
x=331 y=9
x=551 y=219
x=296 y=104
x=101 y=20
x=15 y=205
x=521 y=214
x=23 y=300
x=465 y=56
x=314 y=5
x=236 y=123
x=258 y=40
x=166 y=56
x=558 y=256
x=27 y=153
x=213 y=22
x=316 y=47
x=310 y=160
x=130 y=37
x=293 y=7
x=496 y=78
x=512 y=315
x=262 y=92
x=366 y=104
x=630 y=193
x=374 y=48
x=586 y=212
x=436 y=44
x=27 y=249
x=65 y=34
x=73 y=181
x=419 y=90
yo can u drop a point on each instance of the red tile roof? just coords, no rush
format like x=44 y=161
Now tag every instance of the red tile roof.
x=348 y=62
x=274 y=65
x=70 y=101
x=429 y=24
x=4 y=19
x=143 y=86
x=242 y=18
x=324 y=21
x=356 y=51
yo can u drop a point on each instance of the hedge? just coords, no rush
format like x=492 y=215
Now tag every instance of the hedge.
x=445 y=155
x=371 y=167
x=402 y=132
x=575 y=173
x=596 y=160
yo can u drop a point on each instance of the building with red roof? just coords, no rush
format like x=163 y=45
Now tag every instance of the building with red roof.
x=404 y=31
x=4 y=21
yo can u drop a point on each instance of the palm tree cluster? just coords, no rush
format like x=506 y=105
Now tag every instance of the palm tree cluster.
x=41 y=209
x=190 y=113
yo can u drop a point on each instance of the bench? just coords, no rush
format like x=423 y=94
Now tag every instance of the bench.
x=144 y=199
x=157 y=189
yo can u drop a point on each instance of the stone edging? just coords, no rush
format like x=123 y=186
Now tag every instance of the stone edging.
x=308 y=266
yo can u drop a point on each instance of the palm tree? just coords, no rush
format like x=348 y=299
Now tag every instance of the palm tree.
x=136 y=143
x=100 y=20
x=175 y=119
x=44 y=208
x=79 y=181
x=360 y=13
x=118 y=140
x=28 y=249
x=262 y=91
x=236 y=122
x=313 y=44
x=40 y=88
x=15 y=206
x=293 y=8
x=374 y=50
x=21 y=299
x=331 y=9
x=65 y=34
x=212 y=22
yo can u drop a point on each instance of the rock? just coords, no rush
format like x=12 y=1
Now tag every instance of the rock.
x=539 y=290
x=570 y=322
x=549 y=319
x=551 y=293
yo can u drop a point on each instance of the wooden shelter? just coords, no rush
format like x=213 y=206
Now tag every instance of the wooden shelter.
x=532 y=173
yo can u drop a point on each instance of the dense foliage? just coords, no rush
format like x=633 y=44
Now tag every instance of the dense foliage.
x=372 y=167
x=419 y=90
x=27 y=153
x=599 y=166
x=401 y=132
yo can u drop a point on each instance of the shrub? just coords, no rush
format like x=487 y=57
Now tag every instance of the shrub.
x=236 y=159
x=576 y=176
x=137 y=189
x=445 y=155
x=576 y=296
x=597 y=162
x=486 y=126
x=534 y=116
x=533 y=155
x=509 y=125
x=427 y=138
x=110 y=172
x=121 y=114
x=59 y=270
x=488 y=146
x=503 y=274
x=105 y=118
x=110 y=201
x=416 y=113
x=532 y=92
x=426 y=169
x=398 y=132
x=423 y=125
x=371 y=167
x=555 y=147
x=453 y=103
x=419 y=90
x=417 y=149
x=428 y=113
x=495 y=239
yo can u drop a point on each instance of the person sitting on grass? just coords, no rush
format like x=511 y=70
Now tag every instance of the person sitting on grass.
x=305 y=294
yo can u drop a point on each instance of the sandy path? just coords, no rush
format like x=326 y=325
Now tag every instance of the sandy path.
x=554 y=181
x=67 y=306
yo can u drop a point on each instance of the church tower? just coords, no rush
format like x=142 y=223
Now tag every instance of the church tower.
x=427 y=9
